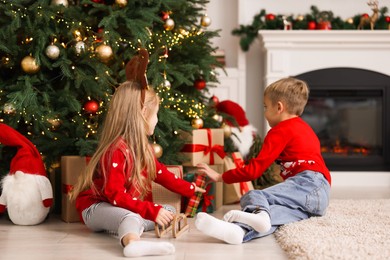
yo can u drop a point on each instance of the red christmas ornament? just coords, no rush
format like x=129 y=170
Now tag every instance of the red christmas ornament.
x=100 y=32
x=365 y=15
x=270 y=17
x=91 y=106
x=164 y=15
x=200 y=84
x=387 y=19
x=325 y=25
x=311 y=25
x=214 y=101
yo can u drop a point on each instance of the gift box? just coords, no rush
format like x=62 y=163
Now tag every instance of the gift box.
x=209 y=201
x=162 y=196
x=71 y=167
x=203 y=146
x=232 y=193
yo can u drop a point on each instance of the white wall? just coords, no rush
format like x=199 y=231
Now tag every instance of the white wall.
x=229 y=14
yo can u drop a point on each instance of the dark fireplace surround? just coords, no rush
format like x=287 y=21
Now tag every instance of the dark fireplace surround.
x=351 y=86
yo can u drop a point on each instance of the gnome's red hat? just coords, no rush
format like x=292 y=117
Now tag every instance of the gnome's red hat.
x=234 y=110
x=27 y=158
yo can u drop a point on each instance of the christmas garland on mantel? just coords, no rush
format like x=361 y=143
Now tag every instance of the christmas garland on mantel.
x=316 y=20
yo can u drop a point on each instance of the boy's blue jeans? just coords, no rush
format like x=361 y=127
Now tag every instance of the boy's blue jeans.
x=297 y=198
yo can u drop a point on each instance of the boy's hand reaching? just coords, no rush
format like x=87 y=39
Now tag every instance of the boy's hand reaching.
x=205 y=169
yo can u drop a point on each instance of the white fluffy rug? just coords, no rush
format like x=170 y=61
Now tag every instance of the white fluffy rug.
x=351 y=229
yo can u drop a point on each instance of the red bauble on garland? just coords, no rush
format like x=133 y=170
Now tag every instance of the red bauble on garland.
x=311 y=25
x=270 y=17
x=200 y=84
x=387 y=19
x=91 y=106
x=324 y=25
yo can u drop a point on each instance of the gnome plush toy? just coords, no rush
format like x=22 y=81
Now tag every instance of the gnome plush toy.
x=26 y=191
x=243 y=132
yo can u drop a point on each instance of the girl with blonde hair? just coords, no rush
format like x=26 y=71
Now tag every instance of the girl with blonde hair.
x=114 y=194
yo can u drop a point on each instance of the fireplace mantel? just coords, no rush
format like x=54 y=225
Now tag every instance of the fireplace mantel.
x=291 y=53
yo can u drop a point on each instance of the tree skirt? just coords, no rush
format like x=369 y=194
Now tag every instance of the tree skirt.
x=351 y=229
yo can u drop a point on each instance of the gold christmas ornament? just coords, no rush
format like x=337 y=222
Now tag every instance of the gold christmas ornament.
x=300 y=18
x=80 y=47
x=29 y=65
x=166 y=84
x=9 y=109
x=205 y=21
x=52 y=51
x=227 y=130
x=121 y=3
x=169 y=24
x=197 y=123
x=158 y=150
x=60 y=2
x=350 y=20
x=218 y=118
x=104 y=52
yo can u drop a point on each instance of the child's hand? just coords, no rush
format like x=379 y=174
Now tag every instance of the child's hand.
x=213 y=175
x=198 y=189
x=164 y=217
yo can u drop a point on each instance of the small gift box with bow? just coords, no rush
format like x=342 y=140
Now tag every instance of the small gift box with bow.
x=209 y=201
x=71 y=168
x=203 y=146
x=232 y=193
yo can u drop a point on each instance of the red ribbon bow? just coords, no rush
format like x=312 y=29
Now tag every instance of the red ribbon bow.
x=207 y=199
x=218 y=149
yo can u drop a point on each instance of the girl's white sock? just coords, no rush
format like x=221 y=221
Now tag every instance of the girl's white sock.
x=225 y=231
x=261 y=221
x=143 y=248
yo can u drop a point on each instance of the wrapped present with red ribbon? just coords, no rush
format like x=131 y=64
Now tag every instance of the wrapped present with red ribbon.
x=203 y=146
x=71 y=167
x=209 y=201
x=232 y=193
x=162 y=195
x=193 y=202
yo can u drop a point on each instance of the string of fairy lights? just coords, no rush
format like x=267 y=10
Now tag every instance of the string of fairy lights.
x=166 y=39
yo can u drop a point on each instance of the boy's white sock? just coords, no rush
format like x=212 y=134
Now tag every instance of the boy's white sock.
x=261 y=221
x=142 y=248
x=225 y=231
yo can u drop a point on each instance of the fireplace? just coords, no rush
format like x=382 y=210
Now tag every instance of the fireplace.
x=349 y=110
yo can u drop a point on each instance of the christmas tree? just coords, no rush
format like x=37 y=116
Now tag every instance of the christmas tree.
x=61 y=60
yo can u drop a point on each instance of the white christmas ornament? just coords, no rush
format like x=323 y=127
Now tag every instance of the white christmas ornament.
x=52 y=51
x=80 y=47
x=60 y=2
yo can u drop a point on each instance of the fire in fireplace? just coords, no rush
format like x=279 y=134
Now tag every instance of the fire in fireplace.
x=349 y=109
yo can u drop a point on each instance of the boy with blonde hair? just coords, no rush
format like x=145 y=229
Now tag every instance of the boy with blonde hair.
x=290 y=142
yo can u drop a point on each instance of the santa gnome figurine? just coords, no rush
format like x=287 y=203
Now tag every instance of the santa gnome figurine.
x=26 y=191
x=243 y=132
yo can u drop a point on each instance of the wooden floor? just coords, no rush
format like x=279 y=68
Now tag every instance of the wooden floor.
x=55 y=239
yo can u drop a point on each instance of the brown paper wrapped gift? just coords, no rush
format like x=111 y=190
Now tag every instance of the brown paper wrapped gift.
x=71 y=167
x=232 y=193
x=204 y=146
x=162 y=196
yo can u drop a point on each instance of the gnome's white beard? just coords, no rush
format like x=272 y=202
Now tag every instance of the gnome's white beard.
x=23 y=197
x=243 y=139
